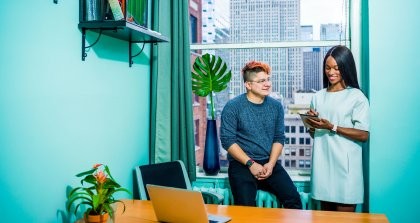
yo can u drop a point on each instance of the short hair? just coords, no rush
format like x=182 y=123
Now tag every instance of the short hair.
x=346 y=65
x=253 y=67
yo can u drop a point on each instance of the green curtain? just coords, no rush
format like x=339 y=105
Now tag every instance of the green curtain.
x=365 y=83
x=172 y=133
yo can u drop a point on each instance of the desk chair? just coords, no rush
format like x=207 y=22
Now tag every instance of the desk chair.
x=170 y=174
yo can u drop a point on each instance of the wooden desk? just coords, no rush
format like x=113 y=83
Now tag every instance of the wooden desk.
x=140 y=211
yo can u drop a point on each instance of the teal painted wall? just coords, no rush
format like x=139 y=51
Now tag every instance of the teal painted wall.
x=60 y=115
x=394 y=99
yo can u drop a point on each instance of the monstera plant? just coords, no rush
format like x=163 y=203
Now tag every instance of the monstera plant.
x=210 y=74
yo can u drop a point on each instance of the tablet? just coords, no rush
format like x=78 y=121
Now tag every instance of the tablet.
x=304 y=117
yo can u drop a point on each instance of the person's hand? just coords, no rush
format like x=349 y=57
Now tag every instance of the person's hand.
x=312 y=112
x=320 y=123
x=267 y=171
x=256 y=170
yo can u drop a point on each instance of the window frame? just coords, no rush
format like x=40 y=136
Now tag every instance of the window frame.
x=353 y=42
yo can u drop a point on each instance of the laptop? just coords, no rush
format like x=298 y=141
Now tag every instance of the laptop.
x=177 y=205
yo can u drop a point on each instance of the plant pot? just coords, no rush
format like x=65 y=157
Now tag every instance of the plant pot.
x=96 y=218
x=211 y=161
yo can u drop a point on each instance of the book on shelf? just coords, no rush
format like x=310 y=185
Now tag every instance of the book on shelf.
x=116 y=9
x=136 y=11
x=123 y=7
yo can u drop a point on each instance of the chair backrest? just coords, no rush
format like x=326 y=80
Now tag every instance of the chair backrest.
x=169 y=174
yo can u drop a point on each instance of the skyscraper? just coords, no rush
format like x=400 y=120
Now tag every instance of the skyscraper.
x=312 y=69
x=267 y=21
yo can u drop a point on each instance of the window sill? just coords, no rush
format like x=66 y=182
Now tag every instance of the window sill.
x=296 y=175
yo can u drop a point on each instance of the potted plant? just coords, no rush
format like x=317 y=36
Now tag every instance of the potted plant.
x=98 y=195
x=210 y=75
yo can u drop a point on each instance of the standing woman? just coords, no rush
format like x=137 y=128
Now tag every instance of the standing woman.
x=343 y=109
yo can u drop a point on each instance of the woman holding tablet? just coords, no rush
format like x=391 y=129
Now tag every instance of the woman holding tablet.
x=342 y=127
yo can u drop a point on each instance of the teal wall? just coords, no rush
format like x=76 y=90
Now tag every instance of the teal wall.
x=60 y=115
x=394 y=98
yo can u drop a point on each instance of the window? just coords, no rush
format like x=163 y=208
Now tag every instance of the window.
x=196 y=133
x=301 y=129
x=281 y=39
x=307 y=164
x=193 y=29
x=301 y=141
x=287 y=163
x=301 y=163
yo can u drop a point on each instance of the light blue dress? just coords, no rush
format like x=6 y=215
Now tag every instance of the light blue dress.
x=337 y=173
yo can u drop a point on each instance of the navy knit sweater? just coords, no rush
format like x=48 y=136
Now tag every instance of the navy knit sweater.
x=254 y=127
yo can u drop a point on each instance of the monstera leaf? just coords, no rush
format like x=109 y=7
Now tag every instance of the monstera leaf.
x=210 y=74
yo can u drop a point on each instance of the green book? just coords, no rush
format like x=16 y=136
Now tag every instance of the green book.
x=116 y=9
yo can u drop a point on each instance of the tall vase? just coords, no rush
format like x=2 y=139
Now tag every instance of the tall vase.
x=211 y=161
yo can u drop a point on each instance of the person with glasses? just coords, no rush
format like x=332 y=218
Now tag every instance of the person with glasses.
x=342 y=127
x=252 y=132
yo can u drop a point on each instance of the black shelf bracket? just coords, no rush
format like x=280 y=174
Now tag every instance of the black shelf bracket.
x=86 y=48
x=130 y=53
x=84 y=55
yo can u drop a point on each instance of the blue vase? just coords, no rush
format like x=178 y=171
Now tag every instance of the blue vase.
x=211 y=162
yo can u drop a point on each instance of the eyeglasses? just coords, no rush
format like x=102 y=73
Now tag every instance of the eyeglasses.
x=262 y=81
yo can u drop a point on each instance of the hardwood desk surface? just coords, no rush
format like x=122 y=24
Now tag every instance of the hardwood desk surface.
x=140 y=211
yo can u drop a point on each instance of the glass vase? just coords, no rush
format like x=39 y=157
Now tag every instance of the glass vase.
x=211 y=161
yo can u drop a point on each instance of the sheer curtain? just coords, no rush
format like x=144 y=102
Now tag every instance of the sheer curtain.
x=172 y=133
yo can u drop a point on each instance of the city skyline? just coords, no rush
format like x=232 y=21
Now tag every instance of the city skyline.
x=294 y=70
x=313 y=13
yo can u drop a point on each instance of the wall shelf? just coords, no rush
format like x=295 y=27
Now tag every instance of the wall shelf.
x=123 y=30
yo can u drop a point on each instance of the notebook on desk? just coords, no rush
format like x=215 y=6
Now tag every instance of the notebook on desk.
x=180 y=206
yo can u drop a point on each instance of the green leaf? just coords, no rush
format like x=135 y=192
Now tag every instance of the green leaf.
x=89 y=179
x=209 y=74
x=81 y=197
x=110 y=184
x=108 y=172
x=82 y=203
x=89 y=172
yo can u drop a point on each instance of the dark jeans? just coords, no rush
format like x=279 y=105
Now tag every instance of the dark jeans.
x=244 y=186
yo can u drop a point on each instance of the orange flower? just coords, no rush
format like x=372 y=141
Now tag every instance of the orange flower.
x=100 y=177
x=97 y=165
